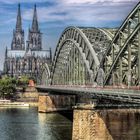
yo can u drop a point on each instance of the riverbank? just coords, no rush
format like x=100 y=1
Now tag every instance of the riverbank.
x=6 y=103
x=26 y=98
x=19 y=104
x=32 y=104
x=29 y=96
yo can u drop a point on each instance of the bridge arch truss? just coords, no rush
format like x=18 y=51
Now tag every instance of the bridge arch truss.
x=78 y=55
x=121 y=62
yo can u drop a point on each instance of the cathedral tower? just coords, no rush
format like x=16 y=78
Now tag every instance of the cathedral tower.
x=35 y=36
x=18 y=34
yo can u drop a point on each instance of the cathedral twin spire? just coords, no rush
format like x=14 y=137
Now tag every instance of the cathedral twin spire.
x=34 y=22
x=19 y=22
x=18 y=34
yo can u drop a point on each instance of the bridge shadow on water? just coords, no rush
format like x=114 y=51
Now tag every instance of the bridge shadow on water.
x=55 y=125
x=67 y=114
x=118 y=124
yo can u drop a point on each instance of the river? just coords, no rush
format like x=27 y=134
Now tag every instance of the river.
x=28 y=124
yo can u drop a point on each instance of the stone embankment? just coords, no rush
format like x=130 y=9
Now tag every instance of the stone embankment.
x=29 y=96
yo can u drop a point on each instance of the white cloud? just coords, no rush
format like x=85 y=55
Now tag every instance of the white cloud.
x=83 y=14
x=93 y=1
x=45 y=14
x=22 y=1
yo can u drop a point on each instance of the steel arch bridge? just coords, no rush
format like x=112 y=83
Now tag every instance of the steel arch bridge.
x=94 y=56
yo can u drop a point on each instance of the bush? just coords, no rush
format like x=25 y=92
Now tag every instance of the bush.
x=7 y=87
x=23 y=80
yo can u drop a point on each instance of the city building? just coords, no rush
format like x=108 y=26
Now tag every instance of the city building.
x=26 y=58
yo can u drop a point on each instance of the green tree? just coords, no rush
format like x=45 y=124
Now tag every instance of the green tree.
x=7 y=87
x=23 y=82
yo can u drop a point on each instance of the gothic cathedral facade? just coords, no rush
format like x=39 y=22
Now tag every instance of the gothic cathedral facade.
x=26 y=59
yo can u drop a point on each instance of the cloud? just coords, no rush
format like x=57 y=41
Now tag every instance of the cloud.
x=92 y=14
x=22 y=1
x=94 y=1
x=45 y=14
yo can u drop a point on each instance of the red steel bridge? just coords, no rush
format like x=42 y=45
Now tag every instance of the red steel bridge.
x=101 y=61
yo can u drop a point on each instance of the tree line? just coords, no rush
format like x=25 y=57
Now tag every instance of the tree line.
x=8 y=86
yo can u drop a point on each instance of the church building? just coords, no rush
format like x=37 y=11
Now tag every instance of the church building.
x=26 y=59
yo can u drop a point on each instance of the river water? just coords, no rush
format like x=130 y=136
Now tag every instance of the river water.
x=28 y=124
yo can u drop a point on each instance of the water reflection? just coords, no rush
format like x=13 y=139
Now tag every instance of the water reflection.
x=55 y=126
x=122 y=124
x=27 y=124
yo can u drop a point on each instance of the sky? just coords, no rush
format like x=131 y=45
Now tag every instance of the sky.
x=55 y=15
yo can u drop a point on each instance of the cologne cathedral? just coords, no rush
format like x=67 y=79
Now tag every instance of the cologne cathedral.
x=26 y=59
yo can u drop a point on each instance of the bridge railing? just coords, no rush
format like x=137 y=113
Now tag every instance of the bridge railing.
x=97 y=87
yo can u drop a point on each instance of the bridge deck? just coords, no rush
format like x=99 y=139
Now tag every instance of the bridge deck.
x=124 y=95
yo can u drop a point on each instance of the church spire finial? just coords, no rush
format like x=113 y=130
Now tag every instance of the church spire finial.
x=19 y=23
x=35 y=21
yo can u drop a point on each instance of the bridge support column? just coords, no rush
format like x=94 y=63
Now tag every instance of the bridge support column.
x=87 y=125
x=104 y=124
x=52 y=103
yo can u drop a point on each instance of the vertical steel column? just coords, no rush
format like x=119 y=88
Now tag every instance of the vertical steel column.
x=129 y=58
x=83 y=69
x=120 y=71
x=139 y=49
x=120 y=61
x=68 y=65
x=64 y=69
x=68 y=69
x=71 y=65
x=79 y=71
x=81 y=74
x=76 y=68
x=113 y=77
x=73 y=48
x=67 y=73
x=106 y=66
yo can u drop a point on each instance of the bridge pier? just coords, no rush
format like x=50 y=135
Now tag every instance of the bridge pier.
x=87 y=125
x=52 y=103
x=104 y=124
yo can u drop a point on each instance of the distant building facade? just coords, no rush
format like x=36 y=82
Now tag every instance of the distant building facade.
x=26 y=59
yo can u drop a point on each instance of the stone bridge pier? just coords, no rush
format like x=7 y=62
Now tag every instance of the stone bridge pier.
x=90 y=123
x=55 y=102
x=50 y=102
x=87 y=125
